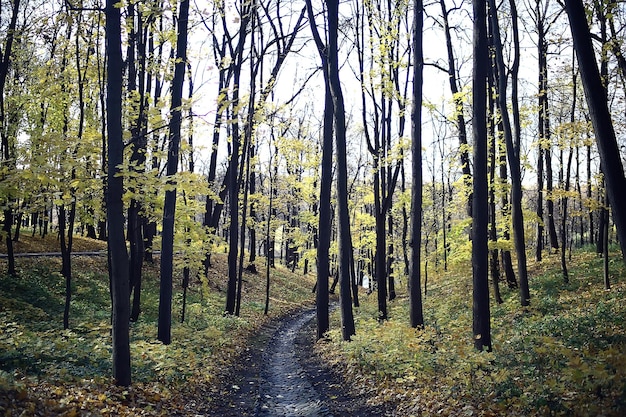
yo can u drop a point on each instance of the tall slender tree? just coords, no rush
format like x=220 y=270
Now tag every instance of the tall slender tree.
x=543 y=22
x=118 y=256
x=345 y=244
x=324 y=227
x=480 y=251
x=513 y=156
x=169 y=209
x=458 y=103
x=415 y=288
x=8 y=160
x=596 y=96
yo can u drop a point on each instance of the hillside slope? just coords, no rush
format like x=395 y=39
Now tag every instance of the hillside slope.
x=45 y=370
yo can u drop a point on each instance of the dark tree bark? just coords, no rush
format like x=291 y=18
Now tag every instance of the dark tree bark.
x=138 y=129
x=480 y=252
x=494 y=264
x=102 y=84
x=157 y=53
x=66 y=227
x=233 y=203
x=542 y=48
x=547 y=143
x=212 y=173
x=345 y=248
x=391 y=282
x=8 y=160
x=605 y=244
x=385 y=173
x=565 y=182
x=596 y=96
x=325 y=219
x=253 y=213
x=191 y=168
x=169 y=209
x=544 y=150
x=589 y=194
x=67 y=218
x=458 y=101
x=505 y=254
x=563 y=226
x=270 y=215
x=513 y=156
x=215 y=207
x=416 y=314
x=552 y=234
x=118 y=256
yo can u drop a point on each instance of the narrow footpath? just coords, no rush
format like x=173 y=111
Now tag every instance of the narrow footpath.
x=285 y=389
x=280 y=376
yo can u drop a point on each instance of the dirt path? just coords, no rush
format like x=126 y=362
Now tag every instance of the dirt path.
x=279 y=376
x=285 y=389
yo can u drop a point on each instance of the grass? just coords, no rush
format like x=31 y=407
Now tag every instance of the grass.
x=563 y=355
x=47 y=370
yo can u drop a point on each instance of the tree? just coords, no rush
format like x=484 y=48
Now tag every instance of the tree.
x=118 y=256
x=494 y=261
x=415 y=288
x=382 y=94
x=513 y=155
x=480 y=252
x=596 y=96
x=169 y=210
x=324 y=229
x=138 y=91
x=8 y=160
x=543 y=23
x=345 y=244
x=67 y=217
x=458 y=102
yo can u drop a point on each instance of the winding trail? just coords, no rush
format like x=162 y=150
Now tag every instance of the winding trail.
x=279 y=375
x=285 y=389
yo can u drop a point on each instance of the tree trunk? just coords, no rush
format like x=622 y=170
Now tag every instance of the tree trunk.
x=554 y=240
x=138 y=129
x=325 y=213
x=605 y=244
x=458 y=102
x=380 y=263
x=390 y=259
x=513 y=155
x=345 y=249
x=325 y=209
x=545 y=141
x=480 y=265
x=253 y=215
x=169 y=208
x=600 y=117
x=542 y=50
x=505 y=254
x=494 y=264
x=118 y=257
x=416 y=315
x=8 y=161
x=564 y=201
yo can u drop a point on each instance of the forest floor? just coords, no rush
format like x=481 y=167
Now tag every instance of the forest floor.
x=216 y=366
x=46 y=370
x=565 y=354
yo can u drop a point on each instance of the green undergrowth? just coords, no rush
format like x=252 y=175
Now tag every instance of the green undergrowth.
x=563 y=355
x=45 y=369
